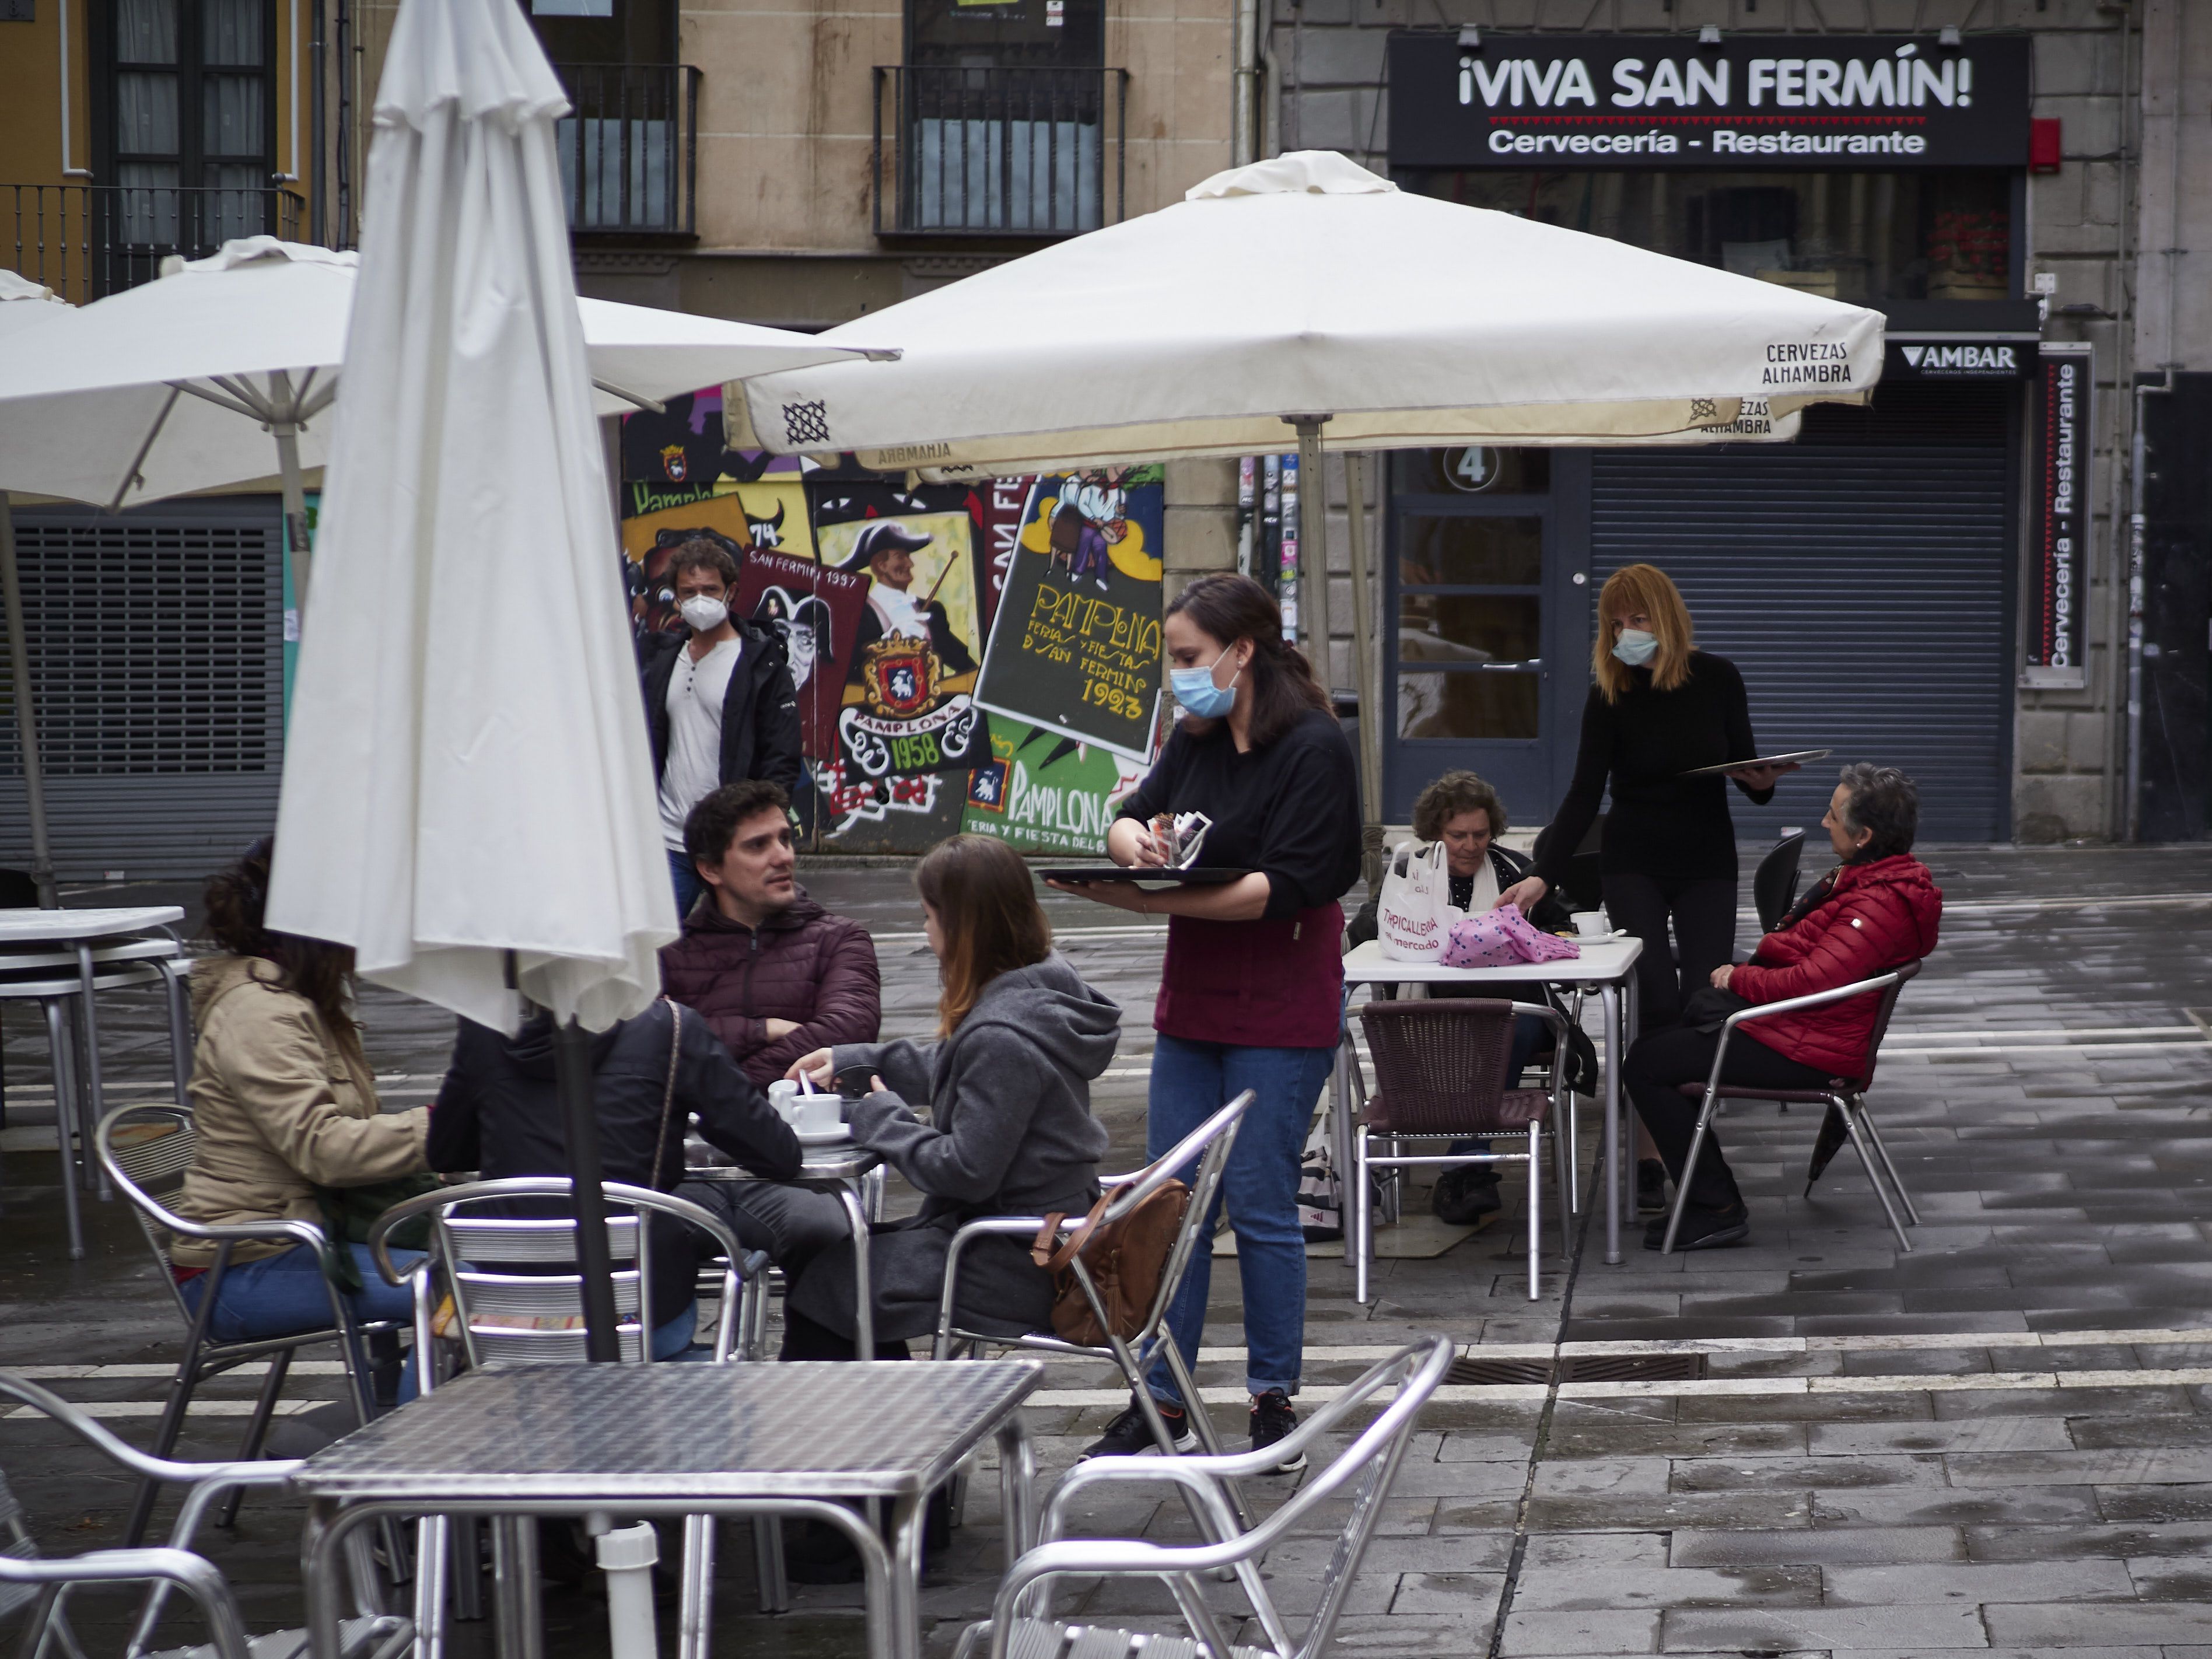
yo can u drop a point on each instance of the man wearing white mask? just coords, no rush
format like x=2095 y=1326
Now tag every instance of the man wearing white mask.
x=719 y=704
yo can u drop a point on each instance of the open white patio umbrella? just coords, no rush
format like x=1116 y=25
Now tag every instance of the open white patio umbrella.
x=175 y=386
x=25 y=304
x=1306 y=293
x=468 y=800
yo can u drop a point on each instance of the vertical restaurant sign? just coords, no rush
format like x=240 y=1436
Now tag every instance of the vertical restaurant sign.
x=2058 y=578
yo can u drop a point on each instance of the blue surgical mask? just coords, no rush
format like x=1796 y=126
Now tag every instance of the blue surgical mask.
x=1635 y=646
x=1196 y=690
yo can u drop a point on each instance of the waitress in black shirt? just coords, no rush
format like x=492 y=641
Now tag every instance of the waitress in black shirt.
x=1251 y=993
x=1660 y=709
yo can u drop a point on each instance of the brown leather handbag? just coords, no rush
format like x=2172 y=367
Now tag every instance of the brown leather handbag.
x=1124 y=1258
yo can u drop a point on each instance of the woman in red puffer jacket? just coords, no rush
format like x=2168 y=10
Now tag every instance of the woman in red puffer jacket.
x=1878 y=911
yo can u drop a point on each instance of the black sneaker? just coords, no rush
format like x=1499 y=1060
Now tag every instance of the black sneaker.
x=1130 y=1436
x=1272 y=1419
x=1467 y=1196
x=1702 y=1230
x=1650 y=1186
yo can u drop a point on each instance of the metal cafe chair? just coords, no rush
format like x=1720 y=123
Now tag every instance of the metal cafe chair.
x=1845 y=1097
x=477 y=1244
x=1022 y=1626
x=145 y=1151
x=1208 y=1146
x=28 y=1579
x=64 y=984
x=1440 y=1074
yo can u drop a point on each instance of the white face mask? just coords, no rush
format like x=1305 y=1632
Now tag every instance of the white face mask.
x=704 y=614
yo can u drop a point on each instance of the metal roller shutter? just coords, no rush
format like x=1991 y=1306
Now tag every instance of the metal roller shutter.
x=1858 y=579
x=162 y=729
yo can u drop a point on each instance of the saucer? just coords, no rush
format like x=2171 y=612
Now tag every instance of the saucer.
x=833 y=1136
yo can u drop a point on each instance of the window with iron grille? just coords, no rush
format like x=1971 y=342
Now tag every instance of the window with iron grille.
x=188 y=678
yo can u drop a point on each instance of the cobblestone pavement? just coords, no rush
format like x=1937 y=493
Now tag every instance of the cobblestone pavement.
x=2001 y=1440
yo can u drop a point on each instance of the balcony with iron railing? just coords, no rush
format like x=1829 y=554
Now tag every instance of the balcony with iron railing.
x=86 y=241
x=630 y=150
x=1035 y=152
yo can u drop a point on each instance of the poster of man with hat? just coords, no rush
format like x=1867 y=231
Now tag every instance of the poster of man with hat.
x=907 y=705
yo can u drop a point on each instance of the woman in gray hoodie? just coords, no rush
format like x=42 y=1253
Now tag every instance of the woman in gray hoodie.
x=1010 y=1130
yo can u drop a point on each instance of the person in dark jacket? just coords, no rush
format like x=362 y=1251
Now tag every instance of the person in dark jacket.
x=774 y=974
x=1011 y=1131
x=497 y=1114
x=719 y=704
x=1659 y=709
x=1252 y=988
x=1879 y=909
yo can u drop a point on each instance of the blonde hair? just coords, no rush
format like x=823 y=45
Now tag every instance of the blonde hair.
x=1645 y=589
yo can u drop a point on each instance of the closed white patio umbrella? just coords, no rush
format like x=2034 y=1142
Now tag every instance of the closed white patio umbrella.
x=468 y=800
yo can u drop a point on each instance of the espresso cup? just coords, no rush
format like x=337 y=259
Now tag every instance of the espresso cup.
x=1593 y=924
x=818 y=1114
x=783 y=1095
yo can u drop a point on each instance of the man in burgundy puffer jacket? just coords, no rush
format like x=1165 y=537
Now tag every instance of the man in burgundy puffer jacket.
x=1878 y=911
x=774 y=974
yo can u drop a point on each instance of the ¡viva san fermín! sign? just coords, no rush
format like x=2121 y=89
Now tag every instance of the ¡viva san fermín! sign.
x=1789 y=102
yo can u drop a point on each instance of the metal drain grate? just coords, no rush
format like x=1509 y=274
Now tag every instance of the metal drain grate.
x=1581 y=1368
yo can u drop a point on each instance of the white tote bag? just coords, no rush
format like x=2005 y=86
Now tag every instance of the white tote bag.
x=1414 y=914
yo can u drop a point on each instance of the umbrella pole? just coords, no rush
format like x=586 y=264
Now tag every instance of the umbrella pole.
x=1364 y=662
x=296 y=508
x=1313 y=547
x=579 y=1129
x=27 y=719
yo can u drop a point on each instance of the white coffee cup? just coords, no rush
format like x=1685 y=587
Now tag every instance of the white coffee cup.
x=783 y=1095
x=817 y=1114
x=1593 y=924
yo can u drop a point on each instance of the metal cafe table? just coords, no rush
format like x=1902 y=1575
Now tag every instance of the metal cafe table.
x=1607 y=966
x=513 y=1442
x=850 y=1170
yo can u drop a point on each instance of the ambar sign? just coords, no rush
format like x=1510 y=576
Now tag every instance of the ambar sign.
x=1756 y=102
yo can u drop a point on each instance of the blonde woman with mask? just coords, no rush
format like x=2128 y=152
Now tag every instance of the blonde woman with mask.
x=1659 y=708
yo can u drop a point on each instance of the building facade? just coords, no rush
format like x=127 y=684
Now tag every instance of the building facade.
x=793 y=168
x=1962 y=579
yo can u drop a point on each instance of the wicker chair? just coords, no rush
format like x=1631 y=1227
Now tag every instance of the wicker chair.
x=1440 y=1075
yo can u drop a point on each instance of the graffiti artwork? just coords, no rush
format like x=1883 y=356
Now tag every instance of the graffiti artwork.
x=908 y=700
x=1045 y=792
x=1076 y=645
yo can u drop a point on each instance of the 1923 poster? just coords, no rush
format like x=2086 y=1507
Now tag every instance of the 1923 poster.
x=1075 y=647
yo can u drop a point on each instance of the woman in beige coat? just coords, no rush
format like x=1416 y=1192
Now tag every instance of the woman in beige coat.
x=285 y=1103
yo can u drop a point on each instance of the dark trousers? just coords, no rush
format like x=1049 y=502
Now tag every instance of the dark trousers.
x=1704 y=915
x=804 y=1340
x=1662 y=1061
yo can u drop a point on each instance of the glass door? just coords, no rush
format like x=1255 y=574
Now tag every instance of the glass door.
x=1468 y=684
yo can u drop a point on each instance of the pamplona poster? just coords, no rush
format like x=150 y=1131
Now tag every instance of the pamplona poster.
x=1076 y=646
x=885 y=597
x=1047 y=792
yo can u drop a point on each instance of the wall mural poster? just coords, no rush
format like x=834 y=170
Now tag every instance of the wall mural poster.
x=908 y=700
x=1046 y=792
x=767 y=514
x=1076 y=644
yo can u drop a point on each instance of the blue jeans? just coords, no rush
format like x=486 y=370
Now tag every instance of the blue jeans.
x=1191 y=1081
x=284 y=1294
x=683 y=876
